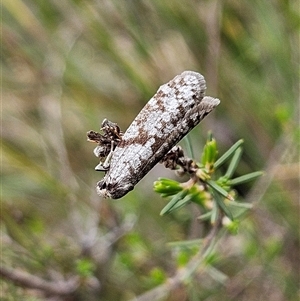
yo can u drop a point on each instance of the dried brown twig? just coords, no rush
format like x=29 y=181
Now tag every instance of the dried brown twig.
x=27 y=280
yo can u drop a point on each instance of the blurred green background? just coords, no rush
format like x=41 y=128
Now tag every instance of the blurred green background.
x=67 y=65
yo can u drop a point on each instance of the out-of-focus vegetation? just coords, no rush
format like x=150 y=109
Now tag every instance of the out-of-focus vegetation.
x=66 y=65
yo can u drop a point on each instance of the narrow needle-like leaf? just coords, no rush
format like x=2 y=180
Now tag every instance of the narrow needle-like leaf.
x=233 y=163
x=219 y=189
x=180 y=203
x=228 y=154
x=179 y=196
x=245 y=178
x=222 y=205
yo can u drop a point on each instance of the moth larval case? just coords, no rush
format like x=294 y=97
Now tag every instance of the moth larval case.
x=176 y=108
